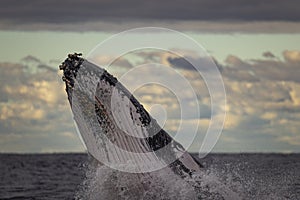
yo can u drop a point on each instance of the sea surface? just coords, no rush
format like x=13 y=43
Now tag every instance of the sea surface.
x=66 y=176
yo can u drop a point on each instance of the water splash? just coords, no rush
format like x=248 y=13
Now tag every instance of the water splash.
x=103 y=182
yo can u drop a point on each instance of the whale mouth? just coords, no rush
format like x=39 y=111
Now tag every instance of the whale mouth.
x=115 y=127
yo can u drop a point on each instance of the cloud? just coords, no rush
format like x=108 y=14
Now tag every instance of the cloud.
x=262 y=102
x=30 y=58
x=101 y=60
x=261 y=69
x=93 y=15
x=34 y=111
x=43 y=143
x=233 y=60
x=21 y=111
x=268 y=54
x=269 y=115
x=204 y=63
x=259 y=91
x=293 y=140
x=91 y=10
x=260 y=94
x=263 y=98
x=292 y=56
x=180 y=25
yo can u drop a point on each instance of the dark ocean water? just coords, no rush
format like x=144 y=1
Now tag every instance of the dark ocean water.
x=61 y=176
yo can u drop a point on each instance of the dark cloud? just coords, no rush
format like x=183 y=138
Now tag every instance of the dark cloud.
x=203 y=63
x=268 y=54
x=261 y=69
x=180 y=63
x=75 y=11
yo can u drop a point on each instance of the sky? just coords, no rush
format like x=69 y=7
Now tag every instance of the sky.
x=255 y=44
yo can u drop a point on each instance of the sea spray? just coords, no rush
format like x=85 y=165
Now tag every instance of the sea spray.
x=103 y=182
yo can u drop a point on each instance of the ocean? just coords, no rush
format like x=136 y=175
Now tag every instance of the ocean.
x=72 y=176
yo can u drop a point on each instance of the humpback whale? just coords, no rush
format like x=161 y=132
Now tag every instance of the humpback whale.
x=117 y=130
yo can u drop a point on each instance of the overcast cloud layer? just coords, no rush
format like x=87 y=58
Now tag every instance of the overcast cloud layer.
x=108 y=15
x=91 y=10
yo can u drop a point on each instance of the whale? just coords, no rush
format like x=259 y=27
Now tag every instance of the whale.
x=119 y=133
